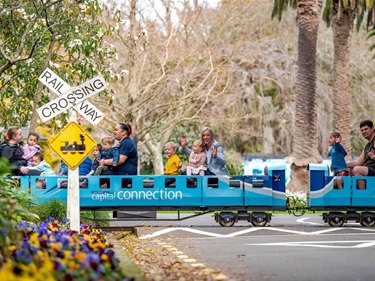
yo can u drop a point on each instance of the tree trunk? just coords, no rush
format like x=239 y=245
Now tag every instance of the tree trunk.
x=342 y=25
x=268 y=141
x=305 y=142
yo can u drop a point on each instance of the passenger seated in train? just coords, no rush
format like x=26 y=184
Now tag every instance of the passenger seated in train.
x=365 y=164
x=173 y=165
x=10 y=149
x=38 y=164
x=337 y=154
x=31 y=147
x=109 y=151
x=95 y=163
x=197 y=160
x=215 y=158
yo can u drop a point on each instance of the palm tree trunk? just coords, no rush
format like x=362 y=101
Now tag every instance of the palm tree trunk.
x=342 y=25
x=305 y=142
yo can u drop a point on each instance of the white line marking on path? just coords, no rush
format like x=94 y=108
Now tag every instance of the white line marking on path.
x=321 y=244
x=302 y=220
x=172 y=229
x=249 y=230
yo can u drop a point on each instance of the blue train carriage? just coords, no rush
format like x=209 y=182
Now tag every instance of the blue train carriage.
x=259 y=193
x=44 y=188
x=122 y=192
x=344 y=204
x=141 y=193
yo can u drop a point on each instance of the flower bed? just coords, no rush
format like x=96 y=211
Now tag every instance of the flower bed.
x=50 y=251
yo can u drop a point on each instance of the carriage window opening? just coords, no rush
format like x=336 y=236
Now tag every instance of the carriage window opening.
x=83 y=183
x=148 y=183
x=170 y=183
x=126 y=183
x=62 y=183
x=338 y=184
x=213 y=182
x=258 y=183
x=191 y=182
x=235 y=183
x=105 y=182
x=41 y=183
x=361 y=184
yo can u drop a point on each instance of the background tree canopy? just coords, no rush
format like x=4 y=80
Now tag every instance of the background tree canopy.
x=176 y=66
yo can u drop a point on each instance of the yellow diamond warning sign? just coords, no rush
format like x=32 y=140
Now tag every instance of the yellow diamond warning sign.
x=72 y=145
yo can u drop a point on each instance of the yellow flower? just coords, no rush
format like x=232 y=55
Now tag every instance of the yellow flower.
x=45 y=273
x=67 y=254
x=87 y=237
x=104 y=257
x=55 y=246
x=81 y=256
x=6 y=272
x=34 y=241
x=72 y=265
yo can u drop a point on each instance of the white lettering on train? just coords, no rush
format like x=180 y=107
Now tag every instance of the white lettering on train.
x=137 y=195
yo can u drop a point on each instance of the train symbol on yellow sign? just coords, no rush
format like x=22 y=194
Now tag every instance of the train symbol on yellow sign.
x=72 y=145
x=73 y=148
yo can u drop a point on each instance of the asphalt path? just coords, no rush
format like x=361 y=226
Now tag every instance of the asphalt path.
x=288 y=248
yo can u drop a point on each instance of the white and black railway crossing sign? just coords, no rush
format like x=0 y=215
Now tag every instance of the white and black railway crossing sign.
x=69 y=97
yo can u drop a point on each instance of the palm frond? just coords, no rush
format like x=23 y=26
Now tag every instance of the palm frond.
x=279 y=6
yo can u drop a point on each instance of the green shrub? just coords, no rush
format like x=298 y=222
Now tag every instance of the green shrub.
x=57 y=209
x=14 y=207
x=235 y=170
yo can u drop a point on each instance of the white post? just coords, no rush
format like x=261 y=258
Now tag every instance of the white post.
x=73 y=206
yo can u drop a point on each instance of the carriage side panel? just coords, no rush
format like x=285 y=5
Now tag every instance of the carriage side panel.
x=222 y=191
x=363 y=197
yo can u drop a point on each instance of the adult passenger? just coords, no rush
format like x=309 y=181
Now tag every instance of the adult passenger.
x=365 y=164
x=216 y=163
x=10 y=148
x=128 y=160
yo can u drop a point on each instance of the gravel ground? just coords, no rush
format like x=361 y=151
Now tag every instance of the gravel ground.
x=159 y=261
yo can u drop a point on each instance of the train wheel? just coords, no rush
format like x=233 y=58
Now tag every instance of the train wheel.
x=226 y=219
x=336 y=221
x=227 y=223
x=259 y=219
x=367 y=220
x=258 y=224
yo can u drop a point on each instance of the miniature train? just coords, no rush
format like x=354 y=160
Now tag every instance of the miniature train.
x=244 y=197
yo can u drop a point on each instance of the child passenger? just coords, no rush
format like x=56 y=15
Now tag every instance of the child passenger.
x=173 y=165
x=338 y=154
x=197 y=160
x=109 y=151
x=63 y=169
x=95 y=164
x=31 y=147
x=38 y=164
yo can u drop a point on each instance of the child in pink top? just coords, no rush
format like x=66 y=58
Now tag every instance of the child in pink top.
x=197 y=160
x=31 y=147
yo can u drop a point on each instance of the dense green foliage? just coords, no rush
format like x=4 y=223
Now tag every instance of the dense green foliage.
x=61 y=35
x=57 y=209
x=14 y=207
